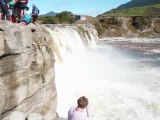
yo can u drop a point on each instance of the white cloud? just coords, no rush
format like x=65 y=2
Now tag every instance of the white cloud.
x=60 y=4
x=92 y=12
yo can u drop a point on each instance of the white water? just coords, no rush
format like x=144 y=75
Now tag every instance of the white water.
x=117 y=88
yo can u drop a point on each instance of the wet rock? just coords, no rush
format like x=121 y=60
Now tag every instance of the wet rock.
x=35 y=116
x=15 y=116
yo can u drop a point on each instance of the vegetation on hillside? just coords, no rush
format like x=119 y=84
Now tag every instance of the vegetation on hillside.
x=61 y=18
x=138 y=3
x=100 y=29
x=66 y=17
x=116 y=26
x=106 y=23
x=141 y=22
x=136 y=11
x=151 y=11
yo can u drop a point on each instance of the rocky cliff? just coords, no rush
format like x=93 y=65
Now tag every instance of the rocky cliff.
x=27 y=83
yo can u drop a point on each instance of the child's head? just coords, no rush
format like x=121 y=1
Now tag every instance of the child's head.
x=82 y=102
x=33 y=5
x=26 y=8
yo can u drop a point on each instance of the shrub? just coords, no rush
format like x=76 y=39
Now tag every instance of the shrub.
x=98 y=27
x=111 y=21
x=63 y=17
x=66 y=17
x=141 y=22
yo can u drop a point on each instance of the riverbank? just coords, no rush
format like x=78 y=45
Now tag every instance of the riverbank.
x=128 y=27
x=141 y=44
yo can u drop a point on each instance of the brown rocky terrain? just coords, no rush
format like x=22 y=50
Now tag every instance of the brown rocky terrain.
x=143 y=27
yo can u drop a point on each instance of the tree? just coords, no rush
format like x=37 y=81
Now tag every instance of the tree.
x=66 y=17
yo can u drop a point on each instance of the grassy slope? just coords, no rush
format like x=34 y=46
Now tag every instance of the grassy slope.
x=136 y=11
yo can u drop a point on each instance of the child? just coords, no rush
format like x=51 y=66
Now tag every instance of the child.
x=12 y=11
x=20 y=5
x=80 y=112
x=26 y=18
x=35 y=13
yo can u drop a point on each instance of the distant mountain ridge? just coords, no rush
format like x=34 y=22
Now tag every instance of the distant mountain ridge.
x=51 y=13
x=138 y=3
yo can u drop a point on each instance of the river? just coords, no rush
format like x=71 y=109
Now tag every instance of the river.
x=120 y=82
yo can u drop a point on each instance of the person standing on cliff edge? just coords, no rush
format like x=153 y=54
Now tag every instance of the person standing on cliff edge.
x=35 y=13
x=4 y=10
x=81 y=111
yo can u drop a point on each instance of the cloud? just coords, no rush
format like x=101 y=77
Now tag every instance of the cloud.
x=92 y=12
x=59 y=4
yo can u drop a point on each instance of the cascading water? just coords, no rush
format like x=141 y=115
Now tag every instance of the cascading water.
x=117 y=85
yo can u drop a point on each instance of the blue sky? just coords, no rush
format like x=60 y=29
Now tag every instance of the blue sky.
x=86 y=7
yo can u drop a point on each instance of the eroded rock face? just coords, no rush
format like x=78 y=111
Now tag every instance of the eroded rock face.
x=15 y=116
x=26 y=71
x=129 y=27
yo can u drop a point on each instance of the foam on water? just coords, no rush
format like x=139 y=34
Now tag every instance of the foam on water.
x=117 y=88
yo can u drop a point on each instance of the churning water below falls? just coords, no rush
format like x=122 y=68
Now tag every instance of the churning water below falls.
x=120 y=84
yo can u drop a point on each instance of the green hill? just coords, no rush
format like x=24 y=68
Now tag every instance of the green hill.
x=149 y=10
x=137 y=3
x=51 y=13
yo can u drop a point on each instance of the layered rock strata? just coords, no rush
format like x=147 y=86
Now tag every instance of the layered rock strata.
x=27 y=78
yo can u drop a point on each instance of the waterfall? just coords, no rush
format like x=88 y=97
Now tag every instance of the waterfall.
x=71 y=40
x=117 y=85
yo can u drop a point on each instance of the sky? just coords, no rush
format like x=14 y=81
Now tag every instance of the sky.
x=81 y=7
